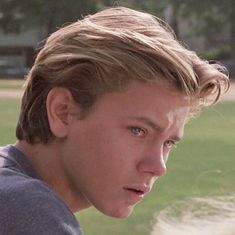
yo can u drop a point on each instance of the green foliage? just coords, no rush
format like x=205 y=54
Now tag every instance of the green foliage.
x=16 y=16
x=212 y=17
x=218 y=53
x=47 y=14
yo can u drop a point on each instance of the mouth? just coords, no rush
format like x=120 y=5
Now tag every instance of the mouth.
x=136 y=194
x=136 y=191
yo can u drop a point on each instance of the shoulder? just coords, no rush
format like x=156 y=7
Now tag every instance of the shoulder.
x=29 y=206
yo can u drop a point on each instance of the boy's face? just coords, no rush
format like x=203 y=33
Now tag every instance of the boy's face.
x=113 y=157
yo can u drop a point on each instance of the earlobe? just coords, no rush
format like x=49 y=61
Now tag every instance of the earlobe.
x=59 y=103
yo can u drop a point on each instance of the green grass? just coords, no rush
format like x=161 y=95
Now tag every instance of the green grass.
x=8 y=118
x=204 y=164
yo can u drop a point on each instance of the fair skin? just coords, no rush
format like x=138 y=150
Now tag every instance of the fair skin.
x=112 y=157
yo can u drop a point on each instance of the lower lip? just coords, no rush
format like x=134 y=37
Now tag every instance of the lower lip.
x=134 y=196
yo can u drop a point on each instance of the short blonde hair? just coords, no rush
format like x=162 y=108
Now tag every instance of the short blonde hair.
x=103 y=53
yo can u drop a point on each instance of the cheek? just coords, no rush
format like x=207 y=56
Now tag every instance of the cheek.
x=95 y=150
x=103 y=151
x=104 y=140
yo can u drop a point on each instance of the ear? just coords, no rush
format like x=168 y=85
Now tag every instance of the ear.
x=60 y=105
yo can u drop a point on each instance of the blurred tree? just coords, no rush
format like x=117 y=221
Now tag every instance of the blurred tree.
x=160 y=9
x=18 y=15
x=211 y=17
x=214 y=18
x=48 y=14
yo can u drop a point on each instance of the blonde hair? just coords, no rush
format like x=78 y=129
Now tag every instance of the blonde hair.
x=103 y=53
x=204 y=216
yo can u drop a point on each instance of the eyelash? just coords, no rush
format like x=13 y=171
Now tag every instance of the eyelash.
x=141 y=132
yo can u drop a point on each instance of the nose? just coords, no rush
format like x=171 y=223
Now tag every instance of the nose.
x=153 y=163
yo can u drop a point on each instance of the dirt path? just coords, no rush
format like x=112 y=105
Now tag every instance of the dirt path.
x=10 y=93
x=230 y=95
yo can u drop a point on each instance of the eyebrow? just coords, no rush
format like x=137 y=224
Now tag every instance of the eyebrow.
x=155 y=126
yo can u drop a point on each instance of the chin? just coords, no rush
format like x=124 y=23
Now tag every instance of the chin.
x=119 y=213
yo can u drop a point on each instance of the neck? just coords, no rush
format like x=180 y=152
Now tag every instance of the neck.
x=46 y=160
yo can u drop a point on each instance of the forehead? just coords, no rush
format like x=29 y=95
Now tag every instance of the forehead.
x=149 y=97
x=156 y=90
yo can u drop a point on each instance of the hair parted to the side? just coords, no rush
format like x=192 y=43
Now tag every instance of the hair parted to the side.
x=103 y=53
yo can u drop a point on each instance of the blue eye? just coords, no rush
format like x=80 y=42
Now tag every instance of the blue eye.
x=137 y=131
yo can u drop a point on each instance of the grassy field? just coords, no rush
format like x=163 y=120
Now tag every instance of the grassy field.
x=203 y=165
x=8 y=118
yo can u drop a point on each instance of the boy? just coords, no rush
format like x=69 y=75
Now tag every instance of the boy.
x=105 y=102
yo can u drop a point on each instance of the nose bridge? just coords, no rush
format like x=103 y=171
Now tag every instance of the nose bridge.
x=153 y=161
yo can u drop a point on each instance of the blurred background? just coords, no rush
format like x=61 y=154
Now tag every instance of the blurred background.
x=204 y=164
x=205 y=26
